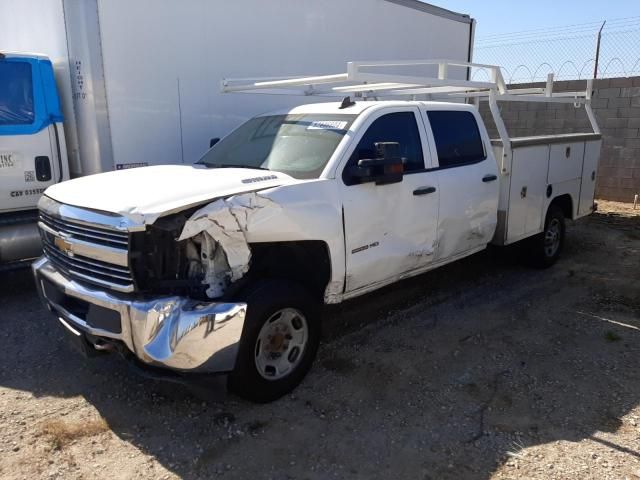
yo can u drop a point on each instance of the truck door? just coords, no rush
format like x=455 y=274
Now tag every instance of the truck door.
x=31 y=136
x=468 y=178
x=389 y=229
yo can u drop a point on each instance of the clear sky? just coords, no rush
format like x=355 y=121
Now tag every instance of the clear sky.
x=505 y=16
x=557 y=36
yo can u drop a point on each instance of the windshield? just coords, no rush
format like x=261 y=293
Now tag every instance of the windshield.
x=298 y=145
x=16 y=93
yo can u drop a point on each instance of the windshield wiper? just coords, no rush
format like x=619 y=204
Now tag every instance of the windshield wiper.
x=228 y=165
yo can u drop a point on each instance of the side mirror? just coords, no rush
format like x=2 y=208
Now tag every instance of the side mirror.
x=213 y=141
x=386 y=168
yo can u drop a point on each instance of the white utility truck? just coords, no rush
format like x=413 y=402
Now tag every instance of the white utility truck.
x=222 y=266
x=126 y=83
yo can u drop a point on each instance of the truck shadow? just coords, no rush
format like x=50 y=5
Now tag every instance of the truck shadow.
x=447 y=375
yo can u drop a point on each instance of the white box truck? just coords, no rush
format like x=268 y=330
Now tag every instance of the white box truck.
x=223 y=266
x=135 y=82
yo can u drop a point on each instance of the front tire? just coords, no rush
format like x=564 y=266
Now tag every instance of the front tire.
x=279 y=341
x=545 y=248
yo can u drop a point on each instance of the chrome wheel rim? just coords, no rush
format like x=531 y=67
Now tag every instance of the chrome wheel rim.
x=281 y=343
x=552 y=238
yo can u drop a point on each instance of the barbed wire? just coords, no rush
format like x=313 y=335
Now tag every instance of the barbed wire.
x=591 y=27
x=569 y=52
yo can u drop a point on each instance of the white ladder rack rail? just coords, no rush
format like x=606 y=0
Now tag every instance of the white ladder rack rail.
x=362 y=80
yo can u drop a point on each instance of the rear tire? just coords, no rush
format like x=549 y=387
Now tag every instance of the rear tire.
x=544 y=249
x=279 y=341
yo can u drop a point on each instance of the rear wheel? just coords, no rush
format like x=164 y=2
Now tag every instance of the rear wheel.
x=545 y=248
x=279 y=341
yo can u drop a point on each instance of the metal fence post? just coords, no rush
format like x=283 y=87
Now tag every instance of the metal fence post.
x=595 y=70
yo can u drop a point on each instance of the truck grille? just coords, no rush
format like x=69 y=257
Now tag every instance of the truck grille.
x=61 y=240
x=97 y=235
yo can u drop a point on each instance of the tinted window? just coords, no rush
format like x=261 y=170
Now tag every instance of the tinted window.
x=398 y=127
x=457 y=138
x=16 y=93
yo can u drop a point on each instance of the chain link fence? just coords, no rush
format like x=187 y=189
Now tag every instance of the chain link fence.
x=574 y=52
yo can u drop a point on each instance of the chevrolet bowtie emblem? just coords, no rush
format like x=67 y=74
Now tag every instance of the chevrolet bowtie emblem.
x=63 y=245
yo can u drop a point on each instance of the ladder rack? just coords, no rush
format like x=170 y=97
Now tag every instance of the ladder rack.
x=374 y=79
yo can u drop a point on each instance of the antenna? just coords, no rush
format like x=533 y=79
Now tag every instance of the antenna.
x=346 y=103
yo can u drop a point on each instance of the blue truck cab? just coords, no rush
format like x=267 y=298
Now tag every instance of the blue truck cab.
x=33 y=152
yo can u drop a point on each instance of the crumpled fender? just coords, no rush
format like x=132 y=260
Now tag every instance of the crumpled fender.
x=308 y=210
x=226 y=221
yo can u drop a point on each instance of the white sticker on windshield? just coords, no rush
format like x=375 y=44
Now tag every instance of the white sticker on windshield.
x=327 y=125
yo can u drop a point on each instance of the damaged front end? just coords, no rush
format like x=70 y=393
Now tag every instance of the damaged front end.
x=199 y=253
x=181 y=264
x=173 y=332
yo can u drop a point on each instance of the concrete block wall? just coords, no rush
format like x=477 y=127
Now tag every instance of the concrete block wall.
x=616 y=103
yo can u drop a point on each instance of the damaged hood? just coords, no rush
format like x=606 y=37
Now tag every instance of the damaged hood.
x=144 y=194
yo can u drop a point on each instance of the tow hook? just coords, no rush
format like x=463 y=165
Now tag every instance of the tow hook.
x=103 y=346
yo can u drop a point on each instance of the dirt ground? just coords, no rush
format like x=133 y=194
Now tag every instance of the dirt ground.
x=484 y=369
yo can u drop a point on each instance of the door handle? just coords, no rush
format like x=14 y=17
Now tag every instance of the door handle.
x=489 y=178
x=424 y=191
x=43 y=169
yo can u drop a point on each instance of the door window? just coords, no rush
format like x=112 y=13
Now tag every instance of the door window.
x=457 y=138
x=400 y=127
x=16 y=93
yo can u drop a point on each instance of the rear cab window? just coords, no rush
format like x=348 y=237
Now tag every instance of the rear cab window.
x=16 y=93
x=457 y=138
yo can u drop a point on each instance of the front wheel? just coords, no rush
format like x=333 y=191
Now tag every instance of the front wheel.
x=545 y=248
x=279 y=341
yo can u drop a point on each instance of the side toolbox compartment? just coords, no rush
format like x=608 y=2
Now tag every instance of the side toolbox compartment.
x=543 y=169
x=527 y=191
x=565 y=162
x=565 y=170
x=589 y=174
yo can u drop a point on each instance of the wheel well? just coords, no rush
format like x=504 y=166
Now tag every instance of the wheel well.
x=565 y=203
x=306 y=262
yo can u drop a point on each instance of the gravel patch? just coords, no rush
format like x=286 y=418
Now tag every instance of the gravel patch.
x=483 y=369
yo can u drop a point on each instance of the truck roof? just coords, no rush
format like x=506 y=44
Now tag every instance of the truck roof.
x=36 y=56
x=362 y=105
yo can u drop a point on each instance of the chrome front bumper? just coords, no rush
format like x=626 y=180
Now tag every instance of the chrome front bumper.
x=172 y=332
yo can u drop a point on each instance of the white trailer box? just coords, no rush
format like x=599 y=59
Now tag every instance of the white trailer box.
x=142 y=77
x=139 y=80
